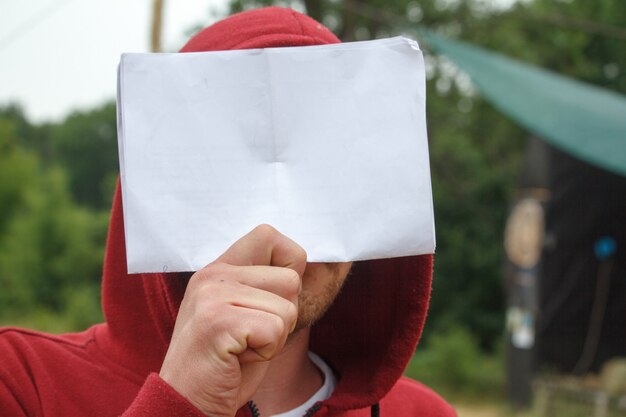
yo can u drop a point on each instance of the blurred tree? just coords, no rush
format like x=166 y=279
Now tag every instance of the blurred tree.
x=85 y=145
x=23 y=133
x=50 y=249
x=17 y=166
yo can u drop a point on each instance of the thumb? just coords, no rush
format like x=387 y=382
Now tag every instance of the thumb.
x=265 y=245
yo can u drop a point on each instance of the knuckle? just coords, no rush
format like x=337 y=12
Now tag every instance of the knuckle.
x=213 y=269
x=299 y=253
x=194 y=281
x=278 y=326
x=291 y=313
x=210 y=298
x=292 y=282
x=199 y=278
x=210 y=275
x=265 y=231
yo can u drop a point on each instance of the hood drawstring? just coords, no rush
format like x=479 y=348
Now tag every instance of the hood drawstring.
x=314 y=409
x=253 y=409
x=375 y=410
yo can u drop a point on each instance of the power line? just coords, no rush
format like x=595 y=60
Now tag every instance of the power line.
x=31 y=23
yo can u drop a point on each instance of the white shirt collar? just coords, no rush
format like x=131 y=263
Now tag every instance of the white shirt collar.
x=321 y=394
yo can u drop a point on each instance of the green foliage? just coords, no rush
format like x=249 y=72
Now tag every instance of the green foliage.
x=16 y=172
x=85 y=145
x=80 y=310
x=51 y=250
x=453 y=365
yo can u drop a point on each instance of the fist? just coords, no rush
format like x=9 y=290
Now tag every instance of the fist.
x=234 y=318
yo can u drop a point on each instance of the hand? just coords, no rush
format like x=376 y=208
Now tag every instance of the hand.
x=235 y=317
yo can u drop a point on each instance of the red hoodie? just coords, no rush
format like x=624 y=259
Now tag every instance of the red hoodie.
x=111 y=369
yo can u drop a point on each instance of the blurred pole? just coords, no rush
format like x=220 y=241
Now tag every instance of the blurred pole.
x=157 y=23
x=523 y=244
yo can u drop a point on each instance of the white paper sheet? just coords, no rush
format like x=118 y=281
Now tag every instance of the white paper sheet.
x=326 y=143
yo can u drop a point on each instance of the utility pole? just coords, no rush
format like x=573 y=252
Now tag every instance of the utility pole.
x=157 y=20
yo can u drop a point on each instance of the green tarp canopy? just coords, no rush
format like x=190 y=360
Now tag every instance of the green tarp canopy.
x=583 y=120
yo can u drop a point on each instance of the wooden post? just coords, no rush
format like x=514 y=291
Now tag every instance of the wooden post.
x=157 y=19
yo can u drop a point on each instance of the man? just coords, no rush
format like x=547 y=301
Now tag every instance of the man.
x=247 y=335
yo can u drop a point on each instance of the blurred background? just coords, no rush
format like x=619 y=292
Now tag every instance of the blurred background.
x=527 y=131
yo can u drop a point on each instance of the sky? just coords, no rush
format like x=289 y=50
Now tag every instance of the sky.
x=60 y=55
x=57 y=56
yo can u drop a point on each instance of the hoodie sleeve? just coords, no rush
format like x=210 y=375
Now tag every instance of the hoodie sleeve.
x=158 y=399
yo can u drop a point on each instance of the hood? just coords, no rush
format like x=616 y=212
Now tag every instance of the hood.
x=367 y=336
